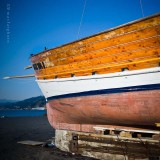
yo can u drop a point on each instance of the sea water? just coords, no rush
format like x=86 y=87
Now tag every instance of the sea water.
x=21 y=113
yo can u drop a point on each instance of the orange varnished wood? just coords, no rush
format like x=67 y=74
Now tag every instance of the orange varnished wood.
x=133 y=46
x=109 y=59
x=117 y=41
x=154 y=21
x=148 y=63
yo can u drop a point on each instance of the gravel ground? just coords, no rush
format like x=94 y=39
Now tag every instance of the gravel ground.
x=17 y=129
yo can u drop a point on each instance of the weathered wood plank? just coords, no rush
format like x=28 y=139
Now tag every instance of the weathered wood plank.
x=133 y=46
x=107 y=60
x=138 y=64
x=31 y=143
x=104 y=43
x=104 y=35
x=110 y=51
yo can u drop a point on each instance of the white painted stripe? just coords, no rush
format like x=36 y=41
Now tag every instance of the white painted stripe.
x=63 y=86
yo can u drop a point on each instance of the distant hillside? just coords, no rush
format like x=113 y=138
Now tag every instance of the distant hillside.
x=30 y=103
x=4 y=101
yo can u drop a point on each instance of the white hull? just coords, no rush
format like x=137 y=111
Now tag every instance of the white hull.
x=63 y=86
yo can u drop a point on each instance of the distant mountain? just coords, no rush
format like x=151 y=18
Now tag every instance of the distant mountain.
x=3 y=101
x=34 y=102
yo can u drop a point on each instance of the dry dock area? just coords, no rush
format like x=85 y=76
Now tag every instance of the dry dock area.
x=112 y=143
x=100 y=145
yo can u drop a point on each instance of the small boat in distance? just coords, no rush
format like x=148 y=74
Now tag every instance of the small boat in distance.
x=112 y=77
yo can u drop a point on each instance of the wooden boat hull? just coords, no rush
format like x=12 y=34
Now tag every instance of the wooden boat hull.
x=129 y=108
x=126 y=98
x=112 y=77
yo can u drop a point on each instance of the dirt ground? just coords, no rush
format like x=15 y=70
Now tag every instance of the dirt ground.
x=17 y=129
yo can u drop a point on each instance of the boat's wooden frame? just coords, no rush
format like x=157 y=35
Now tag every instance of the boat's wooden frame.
x=133 y=46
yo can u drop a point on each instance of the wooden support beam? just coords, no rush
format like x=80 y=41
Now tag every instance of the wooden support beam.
x=158 y=124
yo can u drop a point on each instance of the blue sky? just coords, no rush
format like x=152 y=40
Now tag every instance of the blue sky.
x=27 y=26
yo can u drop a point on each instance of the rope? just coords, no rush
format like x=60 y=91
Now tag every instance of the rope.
x=141 y=8
x=81 y=19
